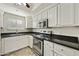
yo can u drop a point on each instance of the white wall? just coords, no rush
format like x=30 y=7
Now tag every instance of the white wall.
x=14 y=10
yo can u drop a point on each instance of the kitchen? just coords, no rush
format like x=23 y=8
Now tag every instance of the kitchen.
x=39 y=29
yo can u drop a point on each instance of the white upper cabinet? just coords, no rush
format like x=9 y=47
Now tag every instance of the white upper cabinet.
x=39 y=17
x=45 y=14
x=52 y=16
x=77 y=14
x=66 y=14
x=60 y=15
x=38 y=20
x=1 y=18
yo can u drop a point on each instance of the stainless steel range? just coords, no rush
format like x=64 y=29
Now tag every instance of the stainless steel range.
x=38 y=46
x=38 y=42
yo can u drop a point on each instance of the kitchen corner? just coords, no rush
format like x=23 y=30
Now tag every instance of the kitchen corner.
x=38 y=29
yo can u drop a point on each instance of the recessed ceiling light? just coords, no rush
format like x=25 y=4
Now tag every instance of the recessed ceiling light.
x=19 y=3
x=28 y=5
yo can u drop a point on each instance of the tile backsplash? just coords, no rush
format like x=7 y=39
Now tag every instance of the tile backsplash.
x=69 y=31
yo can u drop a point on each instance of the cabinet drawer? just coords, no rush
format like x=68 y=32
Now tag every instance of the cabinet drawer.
x=63 y=50
x=48 y=48
x=76 y=52
x=48 y=43
x=56 y=54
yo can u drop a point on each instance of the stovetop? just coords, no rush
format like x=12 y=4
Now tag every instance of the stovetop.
x=42 y=36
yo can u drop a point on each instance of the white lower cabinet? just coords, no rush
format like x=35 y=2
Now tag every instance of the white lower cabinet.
x=48 y=48
x=11 y=44
x=63 y=50
x=76 y=52
x=57 y=54
x=22 y=41
x=54 y=49
x=30 y=41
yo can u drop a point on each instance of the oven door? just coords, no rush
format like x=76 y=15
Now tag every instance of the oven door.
x=37 y=46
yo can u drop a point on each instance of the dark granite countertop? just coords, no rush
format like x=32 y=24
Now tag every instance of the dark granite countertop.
x=53 y=39
x=5 y=35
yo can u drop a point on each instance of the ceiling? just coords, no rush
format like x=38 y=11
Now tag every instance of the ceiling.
x=33 y=6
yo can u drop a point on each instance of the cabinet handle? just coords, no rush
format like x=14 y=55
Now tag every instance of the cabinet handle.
x=1 y=27
x=61 y=49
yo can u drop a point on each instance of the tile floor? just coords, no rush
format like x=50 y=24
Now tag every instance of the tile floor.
x=23 y=52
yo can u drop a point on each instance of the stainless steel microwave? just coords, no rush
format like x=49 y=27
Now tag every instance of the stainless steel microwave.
x=45 y=23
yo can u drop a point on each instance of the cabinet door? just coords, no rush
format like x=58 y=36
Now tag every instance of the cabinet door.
x=39 y=20
x=10 y=44
x=66 y=14
x=1 y=18
x=14 y=43
x=77 y=13
x=48 y=48
x=56 y=54
x=22 y=41
x=44 y=14
x=52 y=16
x=30 y=41
x=39 y=17
x=3 y=46
x=62 y=50
x=35 y=21
x=76 y=52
